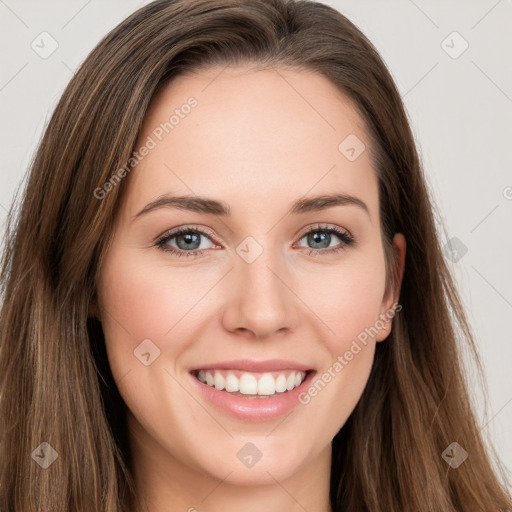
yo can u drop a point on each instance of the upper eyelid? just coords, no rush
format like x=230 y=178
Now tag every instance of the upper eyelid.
x=185 y=229
x=323 y=227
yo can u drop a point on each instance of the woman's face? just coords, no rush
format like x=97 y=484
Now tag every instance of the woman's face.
x=278 y=288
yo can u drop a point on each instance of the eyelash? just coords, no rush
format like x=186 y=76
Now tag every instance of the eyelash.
x=346 y=238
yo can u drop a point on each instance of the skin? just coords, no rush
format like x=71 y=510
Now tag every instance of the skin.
x=257 y=140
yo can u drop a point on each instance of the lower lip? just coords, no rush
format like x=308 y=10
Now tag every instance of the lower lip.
x=254 y=409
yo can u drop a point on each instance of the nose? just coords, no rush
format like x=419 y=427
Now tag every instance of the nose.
x=261 y=301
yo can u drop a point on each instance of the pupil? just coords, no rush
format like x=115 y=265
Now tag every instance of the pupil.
x=320 y=238
x=190 y=238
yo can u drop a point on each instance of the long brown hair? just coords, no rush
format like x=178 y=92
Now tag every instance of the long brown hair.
x=55 y=383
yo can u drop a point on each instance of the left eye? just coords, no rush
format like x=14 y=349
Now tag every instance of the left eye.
x=322 y=238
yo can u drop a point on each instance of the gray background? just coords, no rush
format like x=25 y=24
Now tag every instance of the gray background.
x=460 y=110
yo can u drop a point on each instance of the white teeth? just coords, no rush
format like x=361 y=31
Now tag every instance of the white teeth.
x=280 y=384
x=248 y=384
x=252 y=384
x=218 y=381
x=266 y=385
x=232 y=383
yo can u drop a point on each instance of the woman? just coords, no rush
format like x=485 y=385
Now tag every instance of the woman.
x=166 y=341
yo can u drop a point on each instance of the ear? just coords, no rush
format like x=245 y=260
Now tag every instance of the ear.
x=392 y=294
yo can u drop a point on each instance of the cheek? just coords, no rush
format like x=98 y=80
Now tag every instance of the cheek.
x=348 y=314
x=351 y=311
x=139 y=303
x=144 y=299
x=349 y=301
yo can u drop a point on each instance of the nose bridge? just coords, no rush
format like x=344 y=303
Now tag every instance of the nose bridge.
x=260 y=300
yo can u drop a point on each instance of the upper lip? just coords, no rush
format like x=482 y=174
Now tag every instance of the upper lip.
x=250 y=365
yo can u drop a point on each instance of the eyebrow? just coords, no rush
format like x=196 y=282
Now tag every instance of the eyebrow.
x=215 y=207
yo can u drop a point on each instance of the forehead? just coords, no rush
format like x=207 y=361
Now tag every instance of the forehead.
x=267 y=136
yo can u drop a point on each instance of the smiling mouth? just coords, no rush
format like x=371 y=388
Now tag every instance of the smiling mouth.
x=252 y=384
